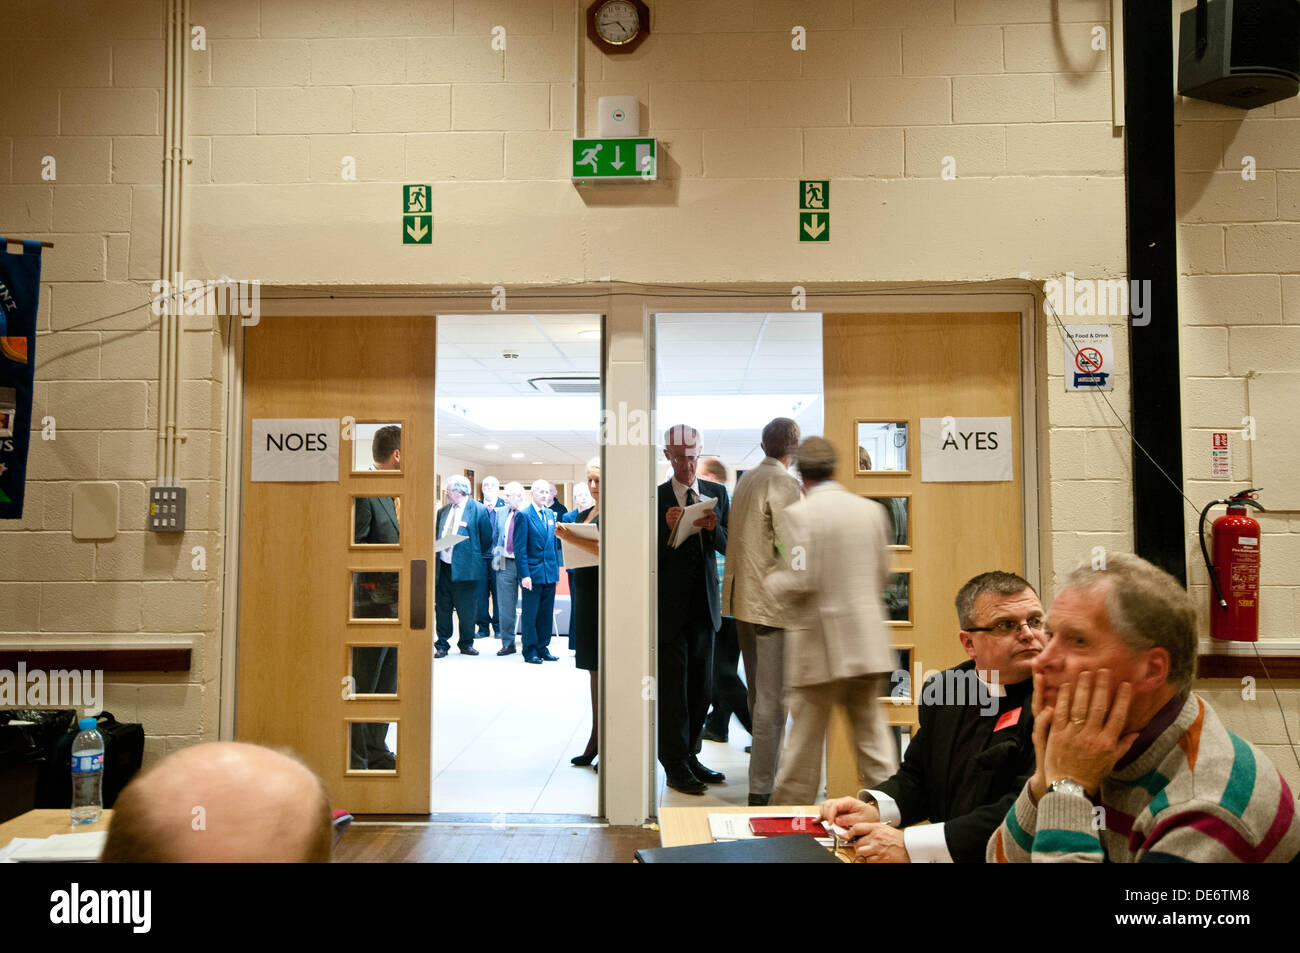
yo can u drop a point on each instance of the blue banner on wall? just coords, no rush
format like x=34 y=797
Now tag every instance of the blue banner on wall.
x=20 y=286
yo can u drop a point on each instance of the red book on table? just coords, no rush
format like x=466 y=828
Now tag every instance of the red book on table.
x=777 y=826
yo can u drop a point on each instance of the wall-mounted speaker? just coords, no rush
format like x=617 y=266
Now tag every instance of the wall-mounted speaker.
x=1243 y=53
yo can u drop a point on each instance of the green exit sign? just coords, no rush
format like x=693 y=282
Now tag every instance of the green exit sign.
x=615 y=160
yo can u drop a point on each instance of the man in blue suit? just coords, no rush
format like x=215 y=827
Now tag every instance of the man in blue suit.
x=537 y=560
x=460 y=567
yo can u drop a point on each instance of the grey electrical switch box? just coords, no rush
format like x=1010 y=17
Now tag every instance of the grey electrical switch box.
x=166 y=509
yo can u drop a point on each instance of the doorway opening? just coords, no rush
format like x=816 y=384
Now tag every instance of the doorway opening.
x=727 y=375
x=518 y=401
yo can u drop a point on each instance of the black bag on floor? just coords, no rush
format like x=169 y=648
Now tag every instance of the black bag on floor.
x=27 y=736
x=123 y=755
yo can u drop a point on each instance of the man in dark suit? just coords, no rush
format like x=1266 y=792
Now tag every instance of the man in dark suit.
x=689 y=613
x=460 y=567
x=975 y=749
x=374 y=668
x=537 y=561
x=376 y=521
x=489 y=619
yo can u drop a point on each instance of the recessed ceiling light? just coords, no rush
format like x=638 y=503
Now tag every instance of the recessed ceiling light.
x=491 y=446
x=455 y=435
x=517 y=456
x=537 y=463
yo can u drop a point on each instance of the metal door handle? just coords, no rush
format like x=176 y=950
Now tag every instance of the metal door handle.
x=419 y=588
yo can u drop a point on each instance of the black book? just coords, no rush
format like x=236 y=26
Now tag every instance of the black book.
x=787 y=849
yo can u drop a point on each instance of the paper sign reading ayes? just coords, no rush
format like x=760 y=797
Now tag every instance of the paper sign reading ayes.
x=966 y=449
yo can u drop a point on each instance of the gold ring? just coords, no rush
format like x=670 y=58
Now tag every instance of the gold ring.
x=1076 y=721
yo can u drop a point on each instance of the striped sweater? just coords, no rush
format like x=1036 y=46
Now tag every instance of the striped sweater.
x=1195 y=793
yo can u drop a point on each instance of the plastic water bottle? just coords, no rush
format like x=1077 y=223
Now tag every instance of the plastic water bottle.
x=87 y=773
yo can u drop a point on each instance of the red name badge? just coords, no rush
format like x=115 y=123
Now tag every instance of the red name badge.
x=1008 y=719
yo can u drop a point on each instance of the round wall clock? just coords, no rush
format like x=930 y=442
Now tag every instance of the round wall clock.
x=618 y=26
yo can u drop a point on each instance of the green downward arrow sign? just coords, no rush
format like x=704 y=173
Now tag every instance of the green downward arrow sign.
x=814 y=226
x=417 y=229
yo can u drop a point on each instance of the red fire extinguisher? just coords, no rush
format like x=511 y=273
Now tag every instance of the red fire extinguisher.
x=1234 y=574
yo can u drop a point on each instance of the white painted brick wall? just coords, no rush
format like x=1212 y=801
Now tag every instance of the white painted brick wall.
x=1010 y=88
x=1238 y=308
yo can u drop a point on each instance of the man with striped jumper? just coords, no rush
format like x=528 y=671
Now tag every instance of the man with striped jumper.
x=1131 y=765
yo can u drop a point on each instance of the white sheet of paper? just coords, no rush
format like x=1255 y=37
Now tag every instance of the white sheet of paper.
x=446 y=542
x=730 y=827
x=62 y=848
x=575 y=558
x=686 y=527
x=15 y=845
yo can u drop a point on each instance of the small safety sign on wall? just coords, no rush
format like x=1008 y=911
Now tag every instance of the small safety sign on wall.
x=1220 y=456
x=1089 y=357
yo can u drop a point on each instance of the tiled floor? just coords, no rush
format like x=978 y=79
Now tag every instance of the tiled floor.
x=504 y=731
x=731 y=760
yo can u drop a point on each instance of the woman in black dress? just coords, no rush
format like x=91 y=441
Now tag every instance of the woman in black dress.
x=586 y=599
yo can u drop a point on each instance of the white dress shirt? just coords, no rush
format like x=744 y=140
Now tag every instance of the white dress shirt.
x=450 y=526
x=679 y=490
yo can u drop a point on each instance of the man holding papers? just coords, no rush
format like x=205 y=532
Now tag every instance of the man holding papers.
x=692 y=521
x=460 y=566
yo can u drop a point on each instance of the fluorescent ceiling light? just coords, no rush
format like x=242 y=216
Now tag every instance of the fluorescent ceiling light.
x=517 y=456
x=491 y=446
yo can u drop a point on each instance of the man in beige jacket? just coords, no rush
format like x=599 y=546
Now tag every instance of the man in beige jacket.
x=760 y=500
x=837 y=646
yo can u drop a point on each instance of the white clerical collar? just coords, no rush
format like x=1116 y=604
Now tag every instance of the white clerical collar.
x=995 y=688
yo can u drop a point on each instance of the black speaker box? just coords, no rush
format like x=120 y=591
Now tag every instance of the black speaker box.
x=1245 y=53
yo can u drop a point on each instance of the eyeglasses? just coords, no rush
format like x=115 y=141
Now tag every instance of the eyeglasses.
x=1010 y=626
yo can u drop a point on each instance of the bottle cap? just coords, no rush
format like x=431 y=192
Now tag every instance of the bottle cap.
x=88 y=723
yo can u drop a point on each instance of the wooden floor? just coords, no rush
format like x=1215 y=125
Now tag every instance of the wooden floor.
x=377 y=841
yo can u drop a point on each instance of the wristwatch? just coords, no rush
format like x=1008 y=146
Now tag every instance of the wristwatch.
x=1067 y=786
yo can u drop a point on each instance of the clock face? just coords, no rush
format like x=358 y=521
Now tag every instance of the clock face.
x=618 y=22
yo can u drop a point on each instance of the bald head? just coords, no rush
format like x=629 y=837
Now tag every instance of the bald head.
x=224 y=801
x=682 y=448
